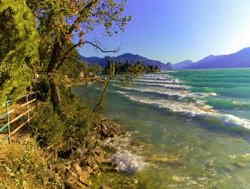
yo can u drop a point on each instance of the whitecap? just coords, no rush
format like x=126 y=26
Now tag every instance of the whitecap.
x=127 y=162
x=191 y=110
x=195 y=108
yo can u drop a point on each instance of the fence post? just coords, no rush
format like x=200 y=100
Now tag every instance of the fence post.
x=8 y=117
x=27 y=100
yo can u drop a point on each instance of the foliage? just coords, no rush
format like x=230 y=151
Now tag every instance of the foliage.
x=19 y=47
x=73 y=67
x=25 y=165
x=36 y=49
x=64 y=131
x=36 y=38
x=132 y=68
x=95 y=69
x=60 y=21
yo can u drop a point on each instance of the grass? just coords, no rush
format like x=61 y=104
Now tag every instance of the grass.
x=25 y=165
x=56 y=150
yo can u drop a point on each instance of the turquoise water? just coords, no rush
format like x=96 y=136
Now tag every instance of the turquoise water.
x=231 y=86
x=178 y=116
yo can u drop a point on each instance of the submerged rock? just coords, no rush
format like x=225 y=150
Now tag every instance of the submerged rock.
x=164 y=159
x=127 y=162
x=124 y=148
x=179 y=178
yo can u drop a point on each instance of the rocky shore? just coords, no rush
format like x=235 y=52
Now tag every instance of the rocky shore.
x=108 y=148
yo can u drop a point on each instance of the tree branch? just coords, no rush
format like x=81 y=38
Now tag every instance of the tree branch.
x=67 y=53
x=78 y=20
x=64 y=57
x=99 y=48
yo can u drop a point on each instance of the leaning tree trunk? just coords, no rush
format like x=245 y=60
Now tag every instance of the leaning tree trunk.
x=55 y=97
x=54 y=89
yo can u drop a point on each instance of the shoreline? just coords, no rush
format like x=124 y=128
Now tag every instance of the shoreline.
x=75 y=168
x=109 y=150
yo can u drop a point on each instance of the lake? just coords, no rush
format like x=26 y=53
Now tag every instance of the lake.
x=200 y=119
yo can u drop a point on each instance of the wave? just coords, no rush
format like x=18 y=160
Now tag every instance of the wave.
x=201 y=105
x=225 y=103
x=233 y=92
x=158 y=80
x=169 y=93
x=156 y=76
x=163 y=84
x=191 y=110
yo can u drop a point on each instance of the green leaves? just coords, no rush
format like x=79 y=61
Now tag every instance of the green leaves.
x=18 y=47
x=36 y=35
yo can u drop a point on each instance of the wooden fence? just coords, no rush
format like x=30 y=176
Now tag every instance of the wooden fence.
x=16 y=115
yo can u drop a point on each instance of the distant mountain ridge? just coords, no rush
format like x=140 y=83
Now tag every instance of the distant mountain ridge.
x=182 y=65
x=131 y=58
x=240 y=59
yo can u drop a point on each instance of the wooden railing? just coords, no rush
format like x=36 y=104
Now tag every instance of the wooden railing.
x=15 y=116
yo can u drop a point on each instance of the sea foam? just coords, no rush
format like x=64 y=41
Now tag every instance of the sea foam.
x=191 y=110
x=196 y=108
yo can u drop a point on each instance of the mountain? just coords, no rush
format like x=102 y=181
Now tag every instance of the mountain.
x=182 y=65
x=131 y=58
x=240 y=59
x=95 y=60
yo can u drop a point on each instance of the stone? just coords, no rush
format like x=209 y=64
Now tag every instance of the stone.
x=163 y=159
x=127 y=162
x=105 y=187
x=178 y=179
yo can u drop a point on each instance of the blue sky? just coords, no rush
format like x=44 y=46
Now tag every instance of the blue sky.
x=176 y=30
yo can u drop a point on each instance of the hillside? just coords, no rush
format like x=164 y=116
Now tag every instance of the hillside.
x=182 y=65
x=131 y=58
x=240 y=59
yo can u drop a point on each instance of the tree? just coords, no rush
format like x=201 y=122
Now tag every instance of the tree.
x=36 y=40
x=19 y=42
x=60 y=21
x=57 y=22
